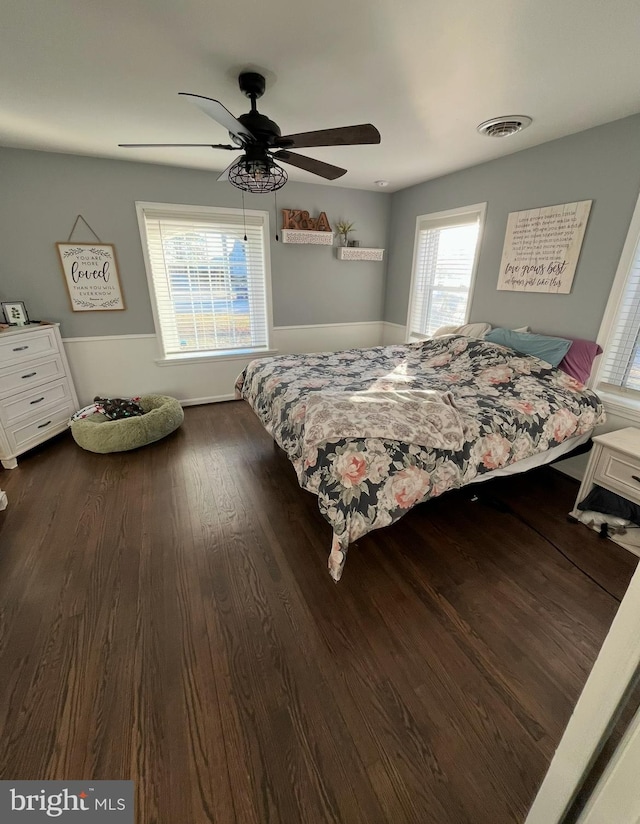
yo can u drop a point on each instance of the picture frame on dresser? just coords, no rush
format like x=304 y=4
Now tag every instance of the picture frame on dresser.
x=15 y=312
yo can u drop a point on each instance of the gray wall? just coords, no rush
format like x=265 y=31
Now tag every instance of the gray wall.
x=601 y=164
x=41 y=193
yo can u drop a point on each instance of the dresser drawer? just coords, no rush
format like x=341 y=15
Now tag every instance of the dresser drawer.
x=620 y=473
x=18 y=378
x=28 y=404
x=24 y=434
x=18 y=348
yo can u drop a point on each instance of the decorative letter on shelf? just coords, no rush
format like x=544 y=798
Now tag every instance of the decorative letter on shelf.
x=91 y=276
x=298 y=227
x=297 y=219
x=541 y=248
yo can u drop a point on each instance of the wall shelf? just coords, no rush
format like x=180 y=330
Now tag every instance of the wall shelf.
x=359 y=253
x=305 y=236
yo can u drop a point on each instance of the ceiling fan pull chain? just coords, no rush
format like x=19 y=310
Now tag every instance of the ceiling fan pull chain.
x=244 y=217
x=275 y=201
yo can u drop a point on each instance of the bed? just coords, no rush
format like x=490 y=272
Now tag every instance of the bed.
x=374 y=432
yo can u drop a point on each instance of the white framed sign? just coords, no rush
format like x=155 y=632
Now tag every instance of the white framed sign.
x=542 y=246
x=91 y=276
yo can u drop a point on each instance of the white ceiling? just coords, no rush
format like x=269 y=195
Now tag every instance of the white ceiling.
x=81 y=76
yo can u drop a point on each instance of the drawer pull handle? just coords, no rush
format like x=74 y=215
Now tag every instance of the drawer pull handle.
x=20 y=348
x=636 y=478
x=30 y=375
x=42 y=425
x=39 y=400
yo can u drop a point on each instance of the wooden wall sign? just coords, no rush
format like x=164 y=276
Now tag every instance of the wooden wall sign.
x=91 y=276
x=541 y=248
x=298 y=219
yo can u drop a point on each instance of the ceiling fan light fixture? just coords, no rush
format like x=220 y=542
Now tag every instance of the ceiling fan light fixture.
x=257 y=176
x=504 y=126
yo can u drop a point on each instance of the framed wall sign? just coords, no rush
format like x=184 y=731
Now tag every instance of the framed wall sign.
x=541 y=248
x=91 y=276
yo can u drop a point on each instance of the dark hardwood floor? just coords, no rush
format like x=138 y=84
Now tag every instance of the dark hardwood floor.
x=166 y=615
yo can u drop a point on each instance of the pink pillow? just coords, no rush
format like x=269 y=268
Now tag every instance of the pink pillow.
x=579 y=359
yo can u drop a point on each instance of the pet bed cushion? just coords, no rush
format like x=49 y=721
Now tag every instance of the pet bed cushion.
x=162 y=415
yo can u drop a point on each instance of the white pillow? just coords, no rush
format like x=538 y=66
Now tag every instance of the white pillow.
x=470 y=330
x=444 y=330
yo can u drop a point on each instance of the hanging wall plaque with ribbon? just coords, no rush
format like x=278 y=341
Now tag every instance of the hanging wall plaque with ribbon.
x=91 y=274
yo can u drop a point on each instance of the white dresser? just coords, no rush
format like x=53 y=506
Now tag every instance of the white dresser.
x=37 y=395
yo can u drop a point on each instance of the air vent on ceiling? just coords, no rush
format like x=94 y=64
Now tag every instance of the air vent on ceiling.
x=504 y=126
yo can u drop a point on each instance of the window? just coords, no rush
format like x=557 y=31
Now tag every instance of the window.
x=210 y=287
x=620 y=330
x=444 y=264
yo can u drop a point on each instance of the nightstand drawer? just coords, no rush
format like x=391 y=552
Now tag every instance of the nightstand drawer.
x=29 y=345
x=30 y=374
x=619 y=473
x=28 y=404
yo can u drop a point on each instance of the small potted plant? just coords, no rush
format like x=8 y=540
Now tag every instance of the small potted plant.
x=343 y=228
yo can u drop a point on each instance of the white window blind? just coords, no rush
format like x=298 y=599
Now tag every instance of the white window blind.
x=444 y=263
x=211 y=286
x=620 y=364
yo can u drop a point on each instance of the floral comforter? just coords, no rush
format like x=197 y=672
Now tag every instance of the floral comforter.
x=511 y=406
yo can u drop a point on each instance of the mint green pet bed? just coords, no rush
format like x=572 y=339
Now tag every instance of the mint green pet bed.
x=98 y=434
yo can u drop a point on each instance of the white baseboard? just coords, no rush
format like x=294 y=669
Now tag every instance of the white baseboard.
x=210 y=399
x=125 y=365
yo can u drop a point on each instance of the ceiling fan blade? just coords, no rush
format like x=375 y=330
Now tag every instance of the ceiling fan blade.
x=179 y=145
x=310 y=164
x=343 y=136
x=221 y=115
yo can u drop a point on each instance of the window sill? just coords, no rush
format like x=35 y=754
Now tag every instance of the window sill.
x=214 y=357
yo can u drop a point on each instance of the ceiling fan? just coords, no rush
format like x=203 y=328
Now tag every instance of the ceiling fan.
x=262 y=143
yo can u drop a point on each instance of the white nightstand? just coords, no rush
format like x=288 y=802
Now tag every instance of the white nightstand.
x=614 y=464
